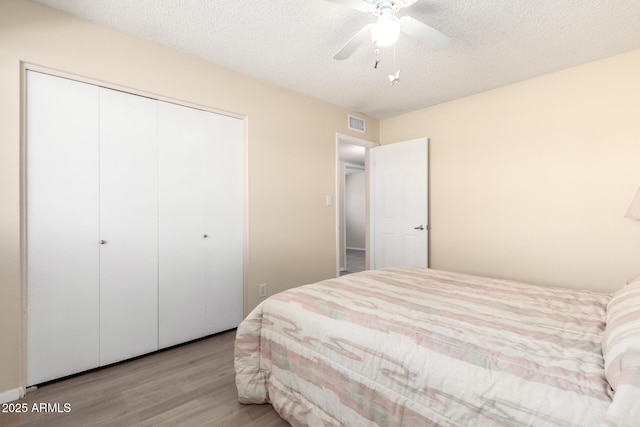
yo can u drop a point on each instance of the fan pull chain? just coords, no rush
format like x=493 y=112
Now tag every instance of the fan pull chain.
x=394 y=78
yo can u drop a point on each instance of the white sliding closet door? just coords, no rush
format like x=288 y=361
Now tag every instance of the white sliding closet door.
x=200 y=223
x=128 y=226
x=224 y=201
x=134 y=225
x=61 y=227
x=182 y=283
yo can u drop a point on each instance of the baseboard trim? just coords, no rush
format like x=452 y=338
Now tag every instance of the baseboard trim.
x=11 y=395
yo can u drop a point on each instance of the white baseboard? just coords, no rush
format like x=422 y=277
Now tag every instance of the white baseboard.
x=11 y=395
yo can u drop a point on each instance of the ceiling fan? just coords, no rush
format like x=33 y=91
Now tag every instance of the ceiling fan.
x=386 y=30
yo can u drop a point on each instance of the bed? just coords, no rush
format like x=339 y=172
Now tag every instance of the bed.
x=422 y=347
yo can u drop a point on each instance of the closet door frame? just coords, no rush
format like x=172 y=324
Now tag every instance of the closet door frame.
x=26 y=67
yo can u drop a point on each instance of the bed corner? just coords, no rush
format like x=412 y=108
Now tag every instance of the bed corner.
x=250 y=379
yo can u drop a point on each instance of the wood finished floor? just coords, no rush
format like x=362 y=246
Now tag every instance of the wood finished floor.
x=355 y=261
x=190 y=385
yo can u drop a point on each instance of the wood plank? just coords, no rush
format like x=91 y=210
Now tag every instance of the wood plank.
x=192 y=384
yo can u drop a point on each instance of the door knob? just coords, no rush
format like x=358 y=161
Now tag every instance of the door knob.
x=102 y=242
x=205 y=236
x=420 y=227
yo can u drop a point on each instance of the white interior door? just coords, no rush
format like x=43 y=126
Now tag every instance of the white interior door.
x=62 y=262
x=399 y=204
x=128 y=226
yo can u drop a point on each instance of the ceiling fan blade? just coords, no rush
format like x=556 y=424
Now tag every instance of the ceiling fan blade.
x=424 y=33
x=361 y=5
x=361 y=36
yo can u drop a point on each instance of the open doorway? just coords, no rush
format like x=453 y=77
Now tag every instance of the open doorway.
x=352 y=203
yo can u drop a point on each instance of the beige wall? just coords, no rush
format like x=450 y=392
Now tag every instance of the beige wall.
x=290 y=140
x=531 y=181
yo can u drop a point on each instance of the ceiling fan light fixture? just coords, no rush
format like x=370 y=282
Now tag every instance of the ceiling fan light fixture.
x=385 y=32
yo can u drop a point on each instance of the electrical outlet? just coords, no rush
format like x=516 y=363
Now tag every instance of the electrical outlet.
x=262 y=290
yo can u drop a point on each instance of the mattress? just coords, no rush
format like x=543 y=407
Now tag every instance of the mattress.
x=421 y=347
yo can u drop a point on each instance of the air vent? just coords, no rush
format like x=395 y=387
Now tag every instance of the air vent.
x=356 y=123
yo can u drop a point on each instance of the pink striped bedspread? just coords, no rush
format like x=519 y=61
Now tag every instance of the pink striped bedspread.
x=421 y=347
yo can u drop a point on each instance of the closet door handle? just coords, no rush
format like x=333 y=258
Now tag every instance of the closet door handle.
x=103 y=242
x=205 y=236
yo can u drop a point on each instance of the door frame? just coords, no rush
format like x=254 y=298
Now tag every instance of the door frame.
x=342 y=138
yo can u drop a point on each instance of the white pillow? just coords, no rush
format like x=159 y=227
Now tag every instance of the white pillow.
x=621 y=344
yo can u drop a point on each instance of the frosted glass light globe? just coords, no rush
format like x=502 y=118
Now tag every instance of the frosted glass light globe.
x=385 y=32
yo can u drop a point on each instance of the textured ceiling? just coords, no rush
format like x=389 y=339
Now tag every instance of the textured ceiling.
x=290 y=43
